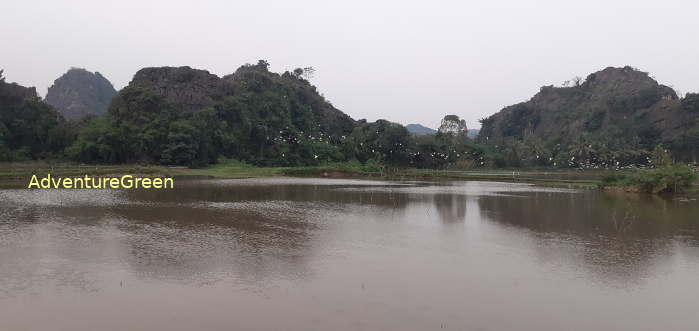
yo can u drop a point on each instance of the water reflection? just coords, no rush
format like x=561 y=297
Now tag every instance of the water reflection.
x=619 y=239
x=410 y=242
x=451 y=208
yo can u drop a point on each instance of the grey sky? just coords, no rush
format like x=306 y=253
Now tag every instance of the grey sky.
x=409 y=62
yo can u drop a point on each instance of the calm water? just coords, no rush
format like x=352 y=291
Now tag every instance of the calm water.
x=315 y=254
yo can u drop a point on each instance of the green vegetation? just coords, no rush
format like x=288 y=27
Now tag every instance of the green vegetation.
x=370 y=168
x=29 y=128
x=183 y=121
x=612 y=119
x=669 y=179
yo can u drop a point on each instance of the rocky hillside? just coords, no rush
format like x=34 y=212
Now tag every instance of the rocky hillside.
x=190 y=116
x=79 y=93
x=13 y=92
x=187 y=88
x=268 y=96
x=619 y=107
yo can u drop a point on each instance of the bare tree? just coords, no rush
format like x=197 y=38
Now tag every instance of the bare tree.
x=308 y=72
x=304 y=73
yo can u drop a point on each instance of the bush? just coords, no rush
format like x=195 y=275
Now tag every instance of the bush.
x=666 y=180
x=675 y=179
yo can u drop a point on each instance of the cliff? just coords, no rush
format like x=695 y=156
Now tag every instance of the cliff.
x=79 y=93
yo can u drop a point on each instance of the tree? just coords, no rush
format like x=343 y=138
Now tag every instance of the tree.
x=304 y=73
x=453 y=125
x=263 y=64
x=380 y=141
x=661 y=157
x=308 y=73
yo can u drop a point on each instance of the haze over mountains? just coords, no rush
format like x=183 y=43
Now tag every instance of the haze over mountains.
x=419 y=129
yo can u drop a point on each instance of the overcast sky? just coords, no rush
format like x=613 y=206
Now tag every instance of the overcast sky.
x=408 y=62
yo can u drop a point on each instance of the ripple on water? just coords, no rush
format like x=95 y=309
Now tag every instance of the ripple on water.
x=61 y=197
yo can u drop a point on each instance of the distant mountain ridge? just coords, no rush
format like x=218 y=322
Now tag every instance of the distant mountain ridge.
x=419 y=129
x=79 y=93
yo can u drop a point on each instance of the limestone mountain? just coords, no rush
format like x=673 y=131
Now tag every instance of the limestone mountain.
x=291 y=97
x=189 y=116
x=615 y=109
x=184 y=87
x=13 y=92
x=79 y=93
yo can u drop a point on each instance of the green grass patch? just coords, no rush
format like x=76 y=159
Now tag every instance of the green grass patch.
x=673 y=179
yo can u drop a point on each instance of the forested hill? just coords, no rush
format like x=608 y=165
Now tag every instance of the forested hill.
x=29 y=128
x=79 y=93
x=188 y=116
x=613 y=110
x=287 y=99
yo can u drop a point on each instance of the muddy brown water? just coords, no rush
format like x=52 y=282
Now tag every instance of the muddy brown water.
x=335 y=254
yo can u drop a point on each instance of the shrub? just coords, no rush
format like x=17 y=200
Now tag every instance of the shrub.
x=666 y=180
x=675 y=179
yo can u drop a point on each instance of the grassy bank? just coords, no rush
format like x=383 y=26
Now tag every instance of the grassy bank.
x=15 y=175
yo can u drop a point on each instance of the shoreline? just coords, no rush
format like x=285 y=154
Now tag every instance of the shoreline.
x=18 y=175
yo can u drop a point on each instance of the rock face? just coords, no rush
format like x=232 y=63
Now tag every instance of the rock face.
x=607 y=102
x=79 y=93
x=189 y=89
x=14 y=91
x=185 y=87
x=420 y=130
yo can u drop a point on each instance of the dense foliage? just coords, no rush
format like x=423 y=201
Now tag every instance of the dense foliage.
x=29 y=129
x=612 y=119
x=183 y=116
x=669 y=179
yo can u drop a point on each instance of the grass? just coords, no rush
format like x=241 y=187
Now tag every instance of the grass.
x=369 y=169
x=16 y=175
x=227 y=169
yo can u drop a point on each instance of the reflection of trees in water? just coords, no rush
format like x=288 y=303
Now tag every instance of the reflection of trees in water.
x=451 y=208
x=618 y=238
x=186 y=242
x=257 y=230
x=382 y=196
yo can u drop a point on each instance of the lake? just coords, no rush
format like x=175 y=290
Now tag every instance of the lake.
x=339 y=254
